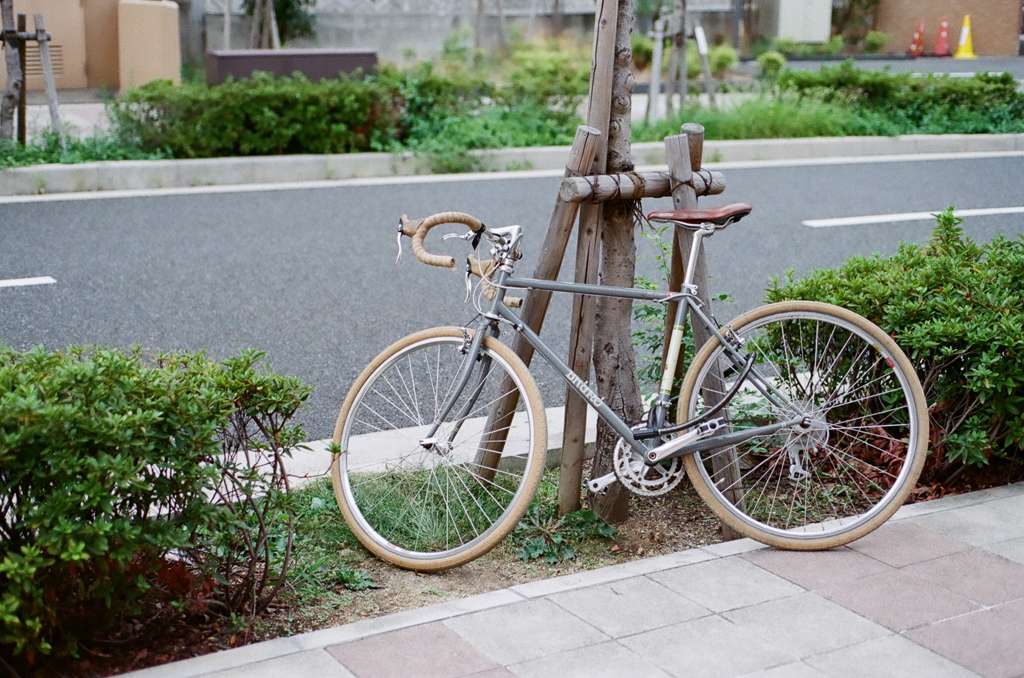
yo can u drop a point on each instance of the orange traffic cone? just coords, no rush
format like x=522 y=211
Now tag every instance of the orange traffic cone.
x=966 y=49
x=942 y=42
x=917 y=44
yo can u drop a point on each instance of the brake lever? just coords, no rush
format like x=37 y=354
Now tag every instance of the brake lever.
x=400 y=234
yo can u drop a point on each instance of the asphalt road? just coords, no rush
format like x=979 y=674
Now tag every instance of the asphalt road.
x=309 y=275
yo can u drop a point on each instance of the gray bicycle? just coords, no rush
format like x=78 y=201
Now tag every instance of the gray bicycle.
x=801 y=424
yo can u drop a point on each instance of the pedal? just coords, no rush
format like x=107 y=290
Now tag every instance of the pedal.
x=599 y=485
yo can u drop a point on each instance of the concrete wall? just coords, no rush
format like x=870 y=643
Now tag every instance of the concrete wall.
x=995 y=24
x=400 y=29
x=65 y=21
x=149 y=42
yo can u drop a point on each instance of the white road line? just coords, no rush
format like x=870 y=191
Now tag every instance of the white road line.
x=861 y=159
x=486 y=176
x=907 y=216
x=25 y=282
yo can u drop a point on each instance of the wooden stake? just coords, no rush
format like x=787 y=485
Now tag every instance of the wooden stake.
x=22 y=108
x=654 y=94
x=581 y=158
x=43 y=39
x=705 y=64
x=535 y=306
x=681 y=151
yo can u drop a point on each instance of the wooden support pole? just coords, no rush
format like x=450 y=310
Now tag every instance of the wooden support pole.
x=633 y=185
x=684 y=152
x=581 y=157
x=22 y=107
x=654 y=109
x=705 y=64
x=535 y=306
x=581 y=338
x=43 y=39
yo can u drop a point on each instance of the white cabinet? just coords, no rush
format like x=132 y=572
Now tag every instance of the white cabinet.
x=799 y=20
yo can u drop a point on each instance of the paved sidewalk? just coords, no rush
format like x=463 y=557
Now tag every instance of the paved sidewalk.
x=937 y=591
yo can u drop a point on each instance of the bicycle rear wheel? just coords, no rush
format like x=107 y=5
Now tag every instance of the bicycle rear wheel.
x=431 y=504
x=837 y=479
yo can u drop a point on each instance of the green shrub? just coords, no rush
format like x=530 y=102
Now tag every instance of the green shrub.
x=957 y=309
x=643 y=51
x=458 y=45
x=764 y=118
x=417 y=109
x=932 y=104
x=875 y=41
x=723 y=58
x=771 y=63
x=555 y=78
x=832 y=47
x=261 y=115
x=792 y=48
x=694 y=69
x=126 y=482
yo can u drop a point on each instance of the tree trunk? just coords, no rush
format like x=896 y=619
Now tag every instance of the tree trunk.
x=15 y=78
x=614 y=360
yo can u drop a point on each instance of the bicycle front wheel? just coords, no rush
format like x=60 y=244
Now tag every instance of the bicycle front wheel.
x=836 y=479
x=426 y=489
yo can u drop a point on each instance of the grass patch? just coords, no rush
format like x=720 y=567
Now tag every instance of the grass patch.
x=326 y=553
x=46 y=149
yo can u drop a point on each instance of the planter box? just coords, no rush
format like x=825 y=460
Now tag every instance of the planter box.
x=315 y=64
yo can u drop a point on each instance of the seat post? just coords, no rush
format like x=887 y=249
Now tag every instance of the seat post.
x=691 y=263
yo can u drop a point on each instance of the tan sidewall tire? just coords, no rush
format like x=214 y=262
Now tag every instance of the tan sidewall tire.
x=531 y=479
x=718 y=505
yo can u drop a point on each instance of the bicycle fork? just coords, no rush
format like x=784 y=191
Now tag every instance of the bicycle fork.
x=472 y=350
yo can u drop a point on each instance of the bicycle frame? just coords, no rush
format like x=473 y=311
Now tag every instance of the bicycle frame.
x=687 y=302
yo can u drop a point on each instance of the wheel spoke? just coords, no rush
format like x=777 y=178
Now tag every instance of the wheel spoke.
x=856 y=457
x=421 y=501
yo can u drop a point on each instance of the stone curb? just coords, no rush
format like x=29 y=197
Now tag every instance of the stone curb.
x=155 y=174
x=315 y=640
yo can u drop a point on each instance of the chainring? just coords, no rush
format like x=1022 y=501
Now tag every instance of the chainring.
x=641 y=479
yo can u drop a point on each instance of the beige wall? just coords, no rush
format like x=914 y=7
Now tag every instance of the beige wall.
x=105 y=43
x=65 y=22
x=101 y=67
x=995 y=24
x=149 y=46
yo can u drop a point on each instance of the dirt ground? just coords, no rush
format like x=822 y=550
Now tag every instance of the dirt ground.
x=656 y=526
